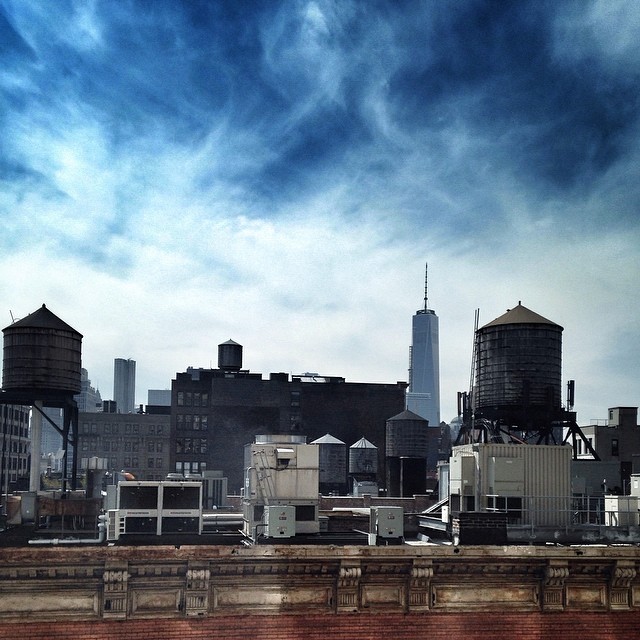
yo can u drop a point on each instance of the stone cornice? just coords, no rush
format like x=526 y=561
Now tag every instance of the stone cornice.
x=132 y=582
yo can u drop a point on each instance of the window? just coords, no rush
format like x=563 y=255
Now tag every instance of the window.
x=180 y=398
x=159 y=447
x=614 y=447
x=204 y=423
x=150 y=447
x=180 y=421
x=159 y=429
x=196 y=422
x=150 y=462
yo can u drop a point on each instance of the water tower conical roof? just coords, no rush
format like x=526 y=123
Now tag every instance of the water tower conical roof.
x=42 y=319
x=519 y=315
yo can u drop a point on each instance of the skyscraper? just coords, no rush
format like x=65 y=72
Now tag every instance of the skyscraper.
x=124 y=385
x=423 y=394
x=88 y=399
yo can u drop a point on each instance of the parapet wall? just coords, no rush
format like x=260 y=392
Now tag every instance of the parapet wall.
x=194 y=592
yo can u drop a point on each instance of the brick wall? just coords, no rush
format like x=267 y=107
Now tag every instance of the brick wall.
x=430 y=626
x=479 y=527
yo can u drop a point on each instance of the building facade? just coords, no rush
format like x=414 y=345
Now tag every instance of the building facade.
x=133 y=442
x=15 y=447
x=89 y=399
x=616 y=441
x=216 y=412
x=124 y=385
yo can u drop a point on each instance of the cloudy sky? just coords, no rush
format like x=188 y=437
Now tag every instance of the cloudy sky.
x=175 y=174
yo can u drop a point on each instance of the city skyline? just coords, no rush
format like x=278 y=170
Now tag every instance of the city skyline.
x=177 y=174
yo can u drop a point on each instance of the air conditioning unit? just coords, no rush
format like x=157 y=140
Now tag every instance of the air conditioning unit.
x=280 y=521
x=115 y=525
x=387 y=522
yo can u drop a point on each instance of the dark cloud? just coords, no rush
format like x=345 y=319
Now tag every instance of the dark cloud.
x=331 y=92
x=493 y=67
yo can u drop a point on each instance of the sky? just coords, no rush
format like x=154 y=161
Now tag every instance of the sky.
x=177 y=174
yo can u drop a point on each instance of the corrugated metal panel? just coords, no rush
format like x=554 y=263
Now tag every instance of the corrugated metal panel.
x=547 y=478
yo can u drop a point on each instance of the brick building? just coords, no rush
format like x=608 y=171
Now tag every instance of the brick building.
x=216 y=412
x=15 y=447
x=286 y=593
x=135 y=442
x=618 y=440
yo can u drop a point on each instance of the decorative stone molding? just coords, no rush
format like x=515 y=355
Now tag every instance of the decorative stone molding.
x=166 y=582
x=197 y=591
x=622 y=577
x=114 y=592
x=420 y=585
x=553 y=592
x=349 y=586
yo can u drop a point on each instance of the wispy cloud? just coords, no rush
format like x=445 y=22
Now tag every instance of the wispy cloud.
x=176 y=174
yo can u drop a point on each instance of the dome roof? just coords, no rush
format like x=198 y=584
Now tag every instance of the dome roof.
x=520 y=315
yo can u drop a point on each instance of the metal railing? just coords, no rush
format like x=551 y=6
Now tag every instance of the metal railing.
x=567 y=511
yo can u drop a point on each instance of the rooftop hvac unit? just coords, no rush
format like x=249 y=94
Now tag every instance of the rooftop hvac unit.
x=462 y=475
x=621 y=511
x=280 y=521
x=115 y=525
x=156 y=508
x=387 y=522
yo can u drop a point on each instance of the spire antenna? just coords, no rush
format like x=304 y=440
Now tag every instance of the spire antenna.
x=426 y=275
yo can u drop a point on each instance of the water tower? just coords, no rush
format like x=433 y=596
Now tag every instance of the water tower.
x=42 y=368
x=517 y=383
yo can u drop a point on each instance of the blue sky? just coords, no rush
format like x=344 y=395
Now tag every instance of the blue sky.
x=175 y=174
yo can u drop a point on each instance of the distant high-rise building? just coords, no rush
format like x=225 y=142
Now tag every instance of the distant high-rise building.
x=88 y=399
x=124 y=385
x=423 y=394
x=159 y=397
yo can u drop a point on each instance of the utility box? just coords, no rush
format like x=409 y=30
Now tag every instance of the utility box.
x=280 y=521
x=621 y=511
x=462 y=475
x=387 y=522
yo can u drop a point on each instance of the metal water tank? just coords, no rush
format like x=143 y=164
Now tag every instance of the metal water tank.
x=332 y=457
x=363 y=458
x=230 y=356
x=41 y=352
x=518 y=364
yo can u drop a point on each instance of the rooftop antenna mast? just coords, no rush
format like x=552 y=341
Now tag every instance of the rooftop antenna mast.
x=426 y=281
